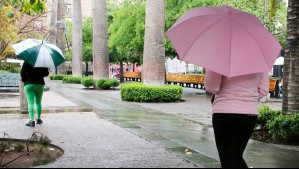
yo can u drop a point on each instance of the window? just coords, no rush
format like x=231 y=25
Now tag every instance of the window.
x=38 y=25
x=68 y=9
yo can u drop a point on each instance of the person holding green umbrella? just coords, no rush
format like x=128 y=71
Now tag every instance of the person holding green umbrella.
x=38 y=56
x=34 y=83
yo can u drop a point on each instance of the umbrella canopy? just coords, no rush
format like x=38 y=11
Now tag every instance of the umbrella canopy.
x=224 y=40
x=279 y=61
x=39 y=53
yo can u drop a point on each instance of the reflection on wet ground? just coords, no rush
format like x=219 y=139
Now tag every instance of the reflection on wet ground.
x=168 y=131
x=186 y=138
x=8 y=95
x=61 y=110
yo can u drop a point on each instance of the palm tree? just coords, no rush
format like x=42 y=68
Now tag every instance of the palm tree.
x=100 y=41
x=154 y=48
x=60 y=36
x=291 y=65
x=77 y=39
x=52 y=36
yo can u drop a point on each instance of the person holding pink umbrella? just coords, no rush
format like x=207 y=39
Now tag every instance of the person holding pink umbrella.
x=235 y=111
x=237 y=51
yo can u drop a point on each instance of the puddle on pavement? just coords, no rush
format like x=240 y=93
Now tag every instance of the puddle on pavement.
x=10 y=112
x=46 y=111
x=8 y=96
x=68 y=110
x=195 y=157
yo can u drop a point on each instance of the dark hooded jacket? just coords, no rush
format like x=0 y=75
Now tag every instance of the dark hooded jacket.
x=31 y=75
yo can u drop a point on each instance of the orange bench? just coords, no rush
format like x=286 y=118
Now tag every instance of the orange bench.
x=272 y=85
x=132 y=76
x=187 y=80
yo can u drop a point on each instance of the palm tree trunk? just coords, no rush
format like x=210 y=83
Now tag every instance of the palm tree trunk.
x=154 y=47
x=86 y=69
x=77 y=39
x=60 y=38
x=291 y=65
x=100 y=41
x=121 y=76
x=52 y=36
x=53 y=31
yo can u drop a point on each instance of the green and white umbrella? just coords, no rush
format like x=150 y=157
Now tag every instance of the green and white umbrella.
x=39 y=53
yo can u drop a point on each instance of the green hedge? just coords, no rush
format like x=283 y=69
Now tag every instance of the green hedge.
x=280 y=127
x=107 y=84
x=3 y=71
x=72 y=80
x=87 y=81
x=285 y=128
x=266 y=114
x=138 y=92
x=10 y=67
x=58 y=77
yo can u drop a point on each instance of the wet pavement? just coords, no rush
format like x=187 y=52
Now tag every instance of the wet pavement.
x=182 y=129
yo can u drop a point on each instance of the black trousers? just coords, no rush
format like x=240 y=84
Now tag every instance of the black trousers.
x=232 y=133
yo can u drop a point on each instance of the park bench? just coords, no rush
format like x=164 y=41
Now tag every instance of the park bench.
x=186 y=80
x=9 y=82
x=132 y=76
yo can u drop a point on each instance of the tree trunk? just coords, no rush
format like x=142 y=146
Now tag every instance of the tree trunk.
x=77 y=39
x=121 y=72
x=52 y=36
x=100 y=41
x=60 y=38
x=53 y=33
x=154 y=47
x=291 y=62
x=23 y=99
x=86 y=69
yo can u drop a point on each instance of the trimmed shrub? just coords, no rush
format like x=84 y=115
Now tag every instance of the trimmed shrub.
x=58 y=77
x=10 y=67
x=107 y=84
x=266 y=114
x=3 y=71
x=138 y=92
x=87 y=81
x=114 y=82
x=285 y=128
x=72 y=80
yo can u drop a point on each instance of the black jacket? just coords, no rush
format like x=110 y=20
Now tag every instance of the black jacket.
x=32 y=75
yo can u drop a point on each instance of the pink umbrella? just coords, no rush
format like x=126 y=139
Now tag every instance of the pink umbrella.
x=224 y=40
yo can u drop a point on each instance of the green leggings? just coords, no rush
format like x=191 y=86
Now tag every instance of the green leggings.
x=34 y=94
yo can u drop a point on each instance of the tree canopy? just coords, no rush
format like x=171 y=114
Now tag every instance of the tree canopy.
x=126 y=24
x=126 y=31
x=26 y=6
x=14 y=25
x=86 y=40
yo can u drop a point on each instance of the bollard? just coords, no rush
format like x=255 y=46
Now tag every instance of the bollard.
x=23 y=99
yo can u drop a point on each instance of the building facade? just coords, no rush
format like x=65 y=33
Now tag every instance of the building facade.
x=87 y=8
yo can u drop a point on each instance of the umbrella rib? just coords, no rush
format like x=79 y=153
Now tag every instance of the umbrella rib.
x=200 y=35
x=230 y=49
x=191 y=19
x=253 y=39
